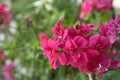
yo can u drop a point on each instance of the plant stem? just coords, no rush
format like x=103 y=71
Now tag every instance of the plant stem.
x=90 y=76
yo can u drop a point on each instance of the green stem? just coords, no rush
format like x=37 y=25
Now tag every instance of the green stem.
x=90 y=76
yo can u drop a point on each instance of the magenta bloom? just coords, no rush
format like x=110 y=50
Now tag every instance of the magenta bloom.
x=117 y=22
x=115 y=64
x=2 y=56
x=110 y=28
x=7 y=71
x=74 y=49
x=109 y=62
x=94 y=59
x=74 y=46
x=106 y=4
x=99 y=43
x=89 y=5
x=58 y=30
x=109 y=31
x=5 y=15
x=50 y=49
x=80 y=47
x=86 y=8
x=104 y=66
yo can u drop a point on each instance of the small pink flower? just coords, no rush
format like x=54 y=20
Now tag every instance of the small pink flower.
x=108 y=30
x=71 y=32
x=104 y=65
x=115 y=64
x=113 y=54
x=109 y=62
x=102 y=29
x=50 y=49
x=104 y=4
x=117 y=22
x=58 y=30
x=86 y=8
x=111 y=31
x=89 y=5
x=5 y=15
x=7 y=71
x=2 y=56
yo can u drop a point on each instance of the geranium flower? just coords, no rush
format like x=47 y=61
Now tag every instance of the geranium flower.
x=110 y=28
x=50 y=49
x=77 y=47
x=5 y=15
x=89 y=5
x=7 y=71
x=2 y=56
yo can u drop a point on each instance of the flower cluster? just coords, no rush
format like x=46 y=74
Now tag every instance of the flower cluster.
x=80 y=47
x=90 y=5
x=110 y=28
x=5 y=15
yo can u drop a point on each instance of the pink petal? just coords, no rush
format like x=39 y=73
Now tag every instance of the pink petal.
x=115 y=64
x=57 y=26
x=46 y=52
x=52 y=44
x=80 y=41
x=53 y=61
x=59 y=23
x=62 y=58
x=105 y=64
x=70 y=44
x=43 y=40
x=83 y=58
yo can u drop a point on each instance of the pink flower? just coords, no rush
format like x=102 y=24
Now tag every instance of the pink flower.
x=70 y=44
x=109 y=31
x=104 y=65
x=50 y=49
x=113 y=54
x=81 y=42
x=80 y=48
x=74 y=49
x=117 y=22
x=2 y=56
x=115 y=64
x=7 y=71
x=99 y=43
x=94 y=59
x=83 y=29
x=102 y=29
x=110 y=28
x=109 y=62
x=86 y=8
x=106 y=4
x=58 y=30
x=89 y=5
x=5 y=15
